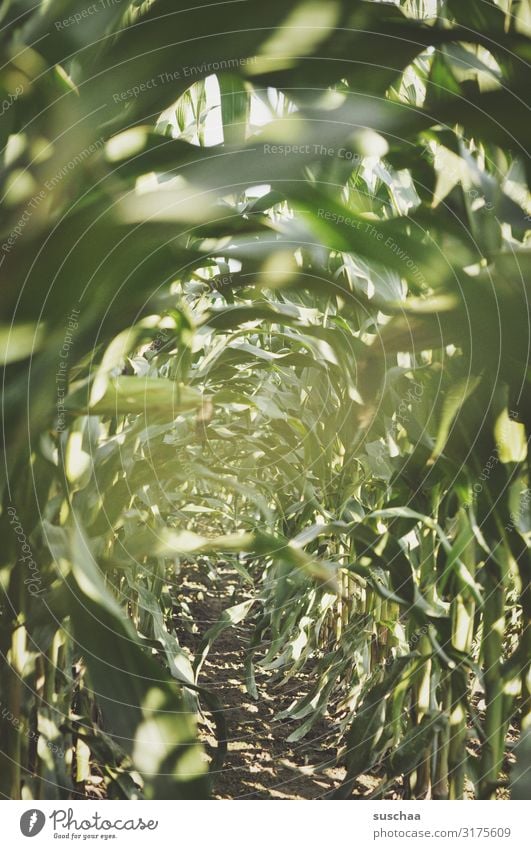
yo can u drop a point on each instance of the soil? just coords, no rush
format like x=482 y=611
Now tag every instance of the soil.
x=260 y=763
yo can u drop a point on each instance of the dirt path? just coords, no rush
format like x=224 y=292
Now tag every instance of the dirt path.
x=260 y=763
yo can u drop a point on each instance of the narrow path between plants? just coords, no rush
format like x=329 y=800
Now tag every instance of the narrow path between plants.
x=260 y=763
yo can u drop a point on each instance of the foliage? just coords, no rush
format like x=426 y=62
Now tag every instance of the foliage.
x=274 y=308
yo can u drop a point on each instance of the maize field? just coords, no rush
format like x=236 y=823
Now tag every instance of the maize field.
x=265 y=334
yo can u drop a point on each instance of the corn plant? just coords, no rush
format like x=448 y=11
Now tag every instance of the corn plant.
x=269 y=308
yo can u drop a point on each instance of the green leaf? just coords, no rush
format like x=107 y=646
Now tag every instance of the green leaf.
x=121 y=396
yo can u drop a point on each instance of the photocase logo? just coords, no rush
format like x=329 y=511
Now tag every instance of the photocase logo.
x=32 y=822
